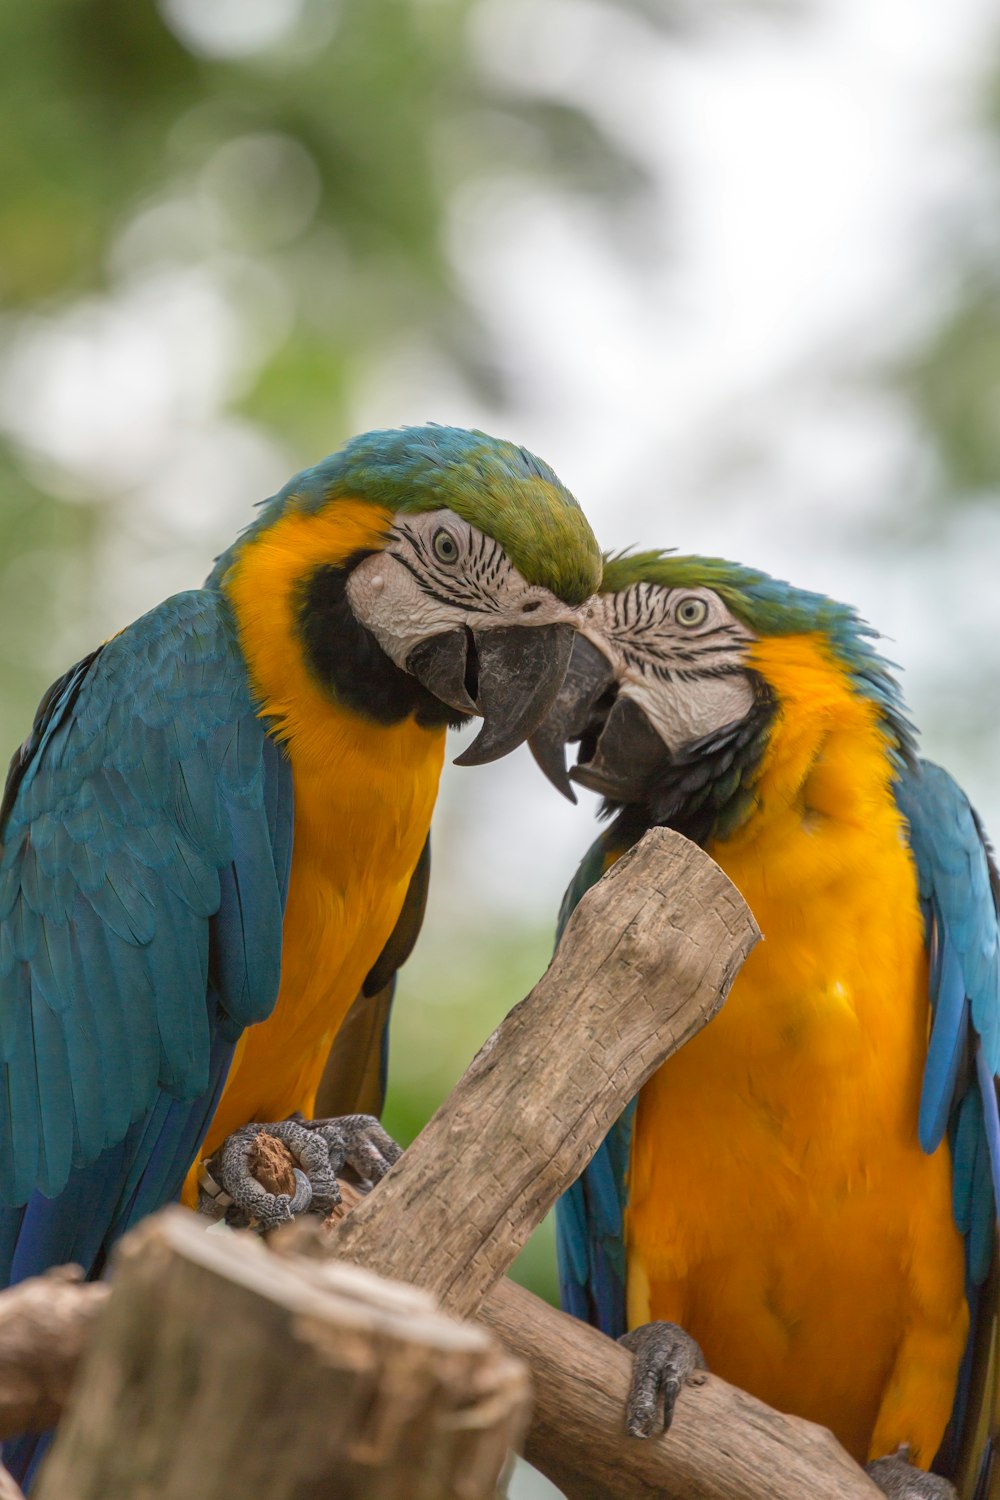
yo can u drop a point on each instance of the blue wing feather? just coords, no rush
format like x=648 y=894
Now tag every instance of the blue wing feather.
x=946 y=1047
x=960 y=893
x=146 y=829
x=988 y=1191
x=590 y=1215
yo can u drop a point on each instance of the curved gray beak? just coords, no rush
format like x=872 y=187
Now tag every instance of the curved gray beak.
x=620 y=751
x=626 y=758
x=508 y=675
x=588 y=677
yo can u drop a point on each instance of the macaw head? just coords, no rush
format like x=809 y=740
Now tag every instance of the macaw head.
x=682 y=669
x=427 y=571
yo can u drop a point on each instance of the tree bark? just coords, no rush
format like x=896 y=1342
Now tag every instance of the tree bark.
x=220 y=1372
x=44 y=1327
x=646 y=960
x=723 y=1444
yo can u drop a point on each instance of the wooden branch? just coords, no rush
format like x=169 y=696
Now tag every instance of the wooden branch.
x=723 y=1444
x=219 y=1370
x=44 y=1326
x=646 y=960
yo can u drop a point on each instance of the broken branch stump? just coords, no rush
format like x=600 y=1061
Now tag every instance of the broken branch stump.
x=646 y=960
x=44 y=1326
x=219 y=1371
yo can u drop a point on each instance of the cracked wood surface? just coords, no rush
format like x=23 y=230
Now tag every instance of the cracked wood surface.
x=646 y=960
x=219 y=1370
x=44 y=1327
x=723 y=1444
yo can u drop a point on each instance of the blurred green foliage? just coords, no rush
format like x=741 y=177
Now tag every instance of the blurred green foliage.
x=103 y=109
x=953 y=381
x=951 y=373
x=314 y=175
x=448 y=1001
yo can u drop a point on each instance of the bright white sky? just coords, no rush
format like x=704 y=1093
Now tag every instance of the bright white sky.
x=809 y=173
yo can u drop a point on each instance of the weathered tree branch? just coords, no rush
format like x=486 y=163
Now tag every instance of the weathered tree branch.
x=647 y=958
x=723 y=1444
x=219 y=1371
x=44 y=1326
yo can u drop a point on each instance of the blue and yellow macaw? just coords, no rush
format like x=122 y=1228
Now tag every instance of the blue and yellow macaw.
x=809 y=1187
x=210 y=834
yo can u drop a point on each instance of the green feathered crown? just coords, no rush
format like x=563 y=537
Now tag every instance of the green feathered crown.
x=496 y=486
x=770 y=607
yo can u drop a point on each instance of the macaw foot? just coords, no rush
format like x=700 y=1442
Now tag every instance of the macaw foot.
x=899 y=1480
x=246 y=1182
x=359 y=1142
x=665 y=1358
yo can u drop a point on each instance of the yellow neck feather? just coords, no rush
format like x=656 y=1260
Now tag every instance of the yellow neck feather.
x=828 y=753
x=364 y=794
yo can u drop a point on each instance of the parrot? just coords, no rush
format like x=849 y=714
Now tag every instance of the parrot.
x=216 y=832
x=803 y=1198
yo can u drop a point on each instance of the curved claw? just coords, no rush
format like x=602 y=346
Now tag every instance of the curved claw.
x=302 y=1198
x=665 y=1357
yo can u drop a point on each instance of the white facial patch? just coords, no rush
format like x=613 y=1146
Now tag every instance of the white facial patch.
x=438 y=573
x=679 y=653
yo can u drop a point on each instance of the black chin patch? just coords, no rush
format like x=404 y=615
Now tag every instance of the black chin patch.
x=706 y=790
x=625 y=757
x=349 y=664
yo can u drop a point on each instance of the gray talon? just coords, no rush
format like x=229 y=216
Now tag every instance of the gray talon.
x=901 y=1481
x=315 y=1180
x=303 y=1197
x=320 y=1147
x=360 y=1142
x=665 y=1357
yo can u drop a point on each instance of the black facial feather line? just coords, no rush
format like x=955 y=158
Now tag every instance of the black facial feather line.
x=469 y=583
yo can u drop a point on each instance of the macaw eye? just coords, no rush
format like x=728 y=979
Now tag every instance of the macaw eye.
x=691 y=612
x=445 y=546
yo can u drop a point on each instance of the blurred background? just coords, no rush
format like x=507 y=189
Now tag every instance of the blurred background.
x=732 y=268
